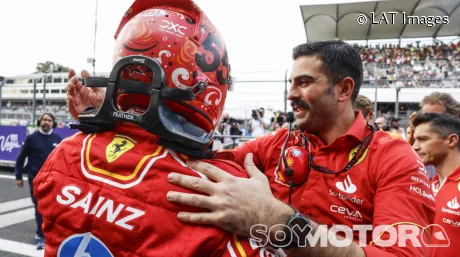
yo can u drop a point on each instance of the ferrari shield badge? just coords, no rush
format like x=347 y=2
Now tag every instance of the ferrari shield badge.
x=353 y=151
x=119 y=145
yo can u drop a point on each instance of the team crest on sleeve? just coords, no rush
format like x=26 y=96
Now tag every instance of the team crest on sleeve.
x=114 y=160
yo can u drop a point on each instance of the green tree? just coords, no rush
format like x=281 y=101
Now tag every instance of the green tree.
x=44 y=67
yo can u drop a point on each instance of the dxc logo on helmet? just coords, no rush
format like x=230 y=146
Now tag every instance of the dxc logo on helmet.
x=172 y=26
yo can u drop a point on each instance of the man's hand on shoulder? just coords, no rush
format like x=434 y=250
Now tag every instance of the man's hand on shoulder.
x=235 y=204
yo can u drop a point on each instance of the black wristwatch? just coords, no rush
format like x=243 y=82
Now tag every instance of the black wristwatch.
x=296 y=225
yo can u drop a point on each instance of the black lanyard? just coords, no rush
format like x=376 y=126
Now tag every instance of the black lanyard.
x=361 y=150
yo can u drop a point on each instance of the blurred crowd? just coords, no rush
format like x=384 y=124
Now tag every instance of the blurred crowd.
x=436 y=65
x=232 y=132
x=436 y=102
x=21 y=114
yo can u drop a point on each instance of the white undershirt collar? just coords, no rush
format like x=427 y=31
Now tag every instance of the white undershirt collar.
x=41 y=131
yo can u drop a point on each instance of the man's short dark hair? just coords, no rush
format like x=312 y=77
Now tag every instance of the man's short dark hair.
x=440 y=123
x=340 y=60
x=445 y=99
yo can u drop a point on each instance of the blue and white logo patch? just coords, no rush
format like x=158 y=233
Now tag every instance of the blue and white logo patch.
x=296 y=152
x=83 y=245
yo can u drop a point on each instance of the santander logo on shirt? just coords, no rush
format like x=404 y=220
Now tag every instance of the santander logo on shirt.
x=346 y=186
x=453 y=204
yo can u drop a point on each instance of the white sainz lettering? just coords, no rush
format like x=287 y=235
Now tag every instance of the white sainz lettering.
x=102 y=206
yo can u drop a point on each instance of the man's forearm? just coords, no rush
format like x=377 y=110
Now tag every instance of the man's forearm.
x=340 y=248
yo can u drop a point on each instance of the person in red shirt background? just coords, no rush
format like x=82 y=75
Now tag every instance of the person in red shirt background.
x=102 y=192
x=355 y=176
x=437 y=143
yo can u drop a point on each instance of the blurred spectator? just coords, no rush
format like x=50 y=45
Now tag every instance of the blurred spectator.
x=410 y=128
x=257 y=124
x=366 y=107
x=277 y=121
x=380 y=121
x=396 y=129
x=36 y=148
x=385 y=125
x=230 y=127
x=438 y=102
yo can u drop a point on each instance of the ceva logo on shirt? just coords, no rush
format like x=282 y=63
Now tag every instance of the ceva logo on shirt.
x=347 y=186
x=453 y=204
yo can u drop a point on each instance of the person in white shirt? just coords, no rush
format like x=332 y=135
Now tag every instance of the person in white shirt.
x=258 y=125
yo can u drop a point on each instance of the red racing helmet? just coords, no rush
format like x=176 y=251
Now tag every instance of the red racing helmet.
x=179 y=36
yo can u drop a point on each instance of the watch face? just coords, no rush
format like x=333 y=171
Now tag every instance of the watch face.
x=301 y=227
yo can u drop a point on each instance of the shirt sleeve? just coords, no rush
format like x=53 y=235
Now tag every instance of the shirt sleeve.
x=19 y=166
x=260 y=147
x=403 y=201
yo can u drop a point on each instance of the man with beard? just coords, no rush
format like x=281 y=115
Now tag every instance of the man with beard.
x=356 y=175
x=342 y=171
x=37 y=147
x=437 y=143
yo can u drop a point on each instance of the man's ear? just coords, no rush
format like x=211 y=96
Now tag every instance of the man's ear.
x=452 y=141
x=345 y=89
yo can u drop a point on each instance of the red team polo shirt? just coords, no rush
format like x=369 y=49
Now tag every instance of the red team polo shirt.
x=447 y=215
x=387 y=186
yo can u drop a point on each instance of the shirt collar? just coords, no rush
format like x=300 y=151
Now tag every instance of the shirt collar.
x=454 y=176
x=41 y=131
x=357 y=131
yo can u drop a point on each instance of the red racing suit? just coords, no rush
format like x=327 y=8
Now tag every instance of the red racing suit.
x=104 y=194
x=387 y=186
x=446 y=233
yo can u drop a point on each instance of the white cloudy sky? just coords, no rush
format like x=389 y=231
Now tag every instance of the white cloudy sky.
x=259 y=33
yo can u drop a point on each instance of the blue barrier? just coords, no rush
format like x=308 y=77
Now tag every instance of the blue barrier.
x=65 y=132
x=11 y=139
